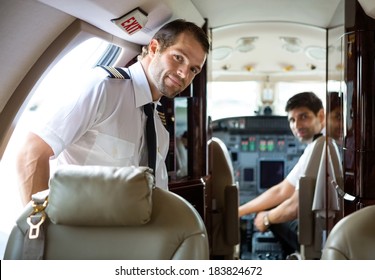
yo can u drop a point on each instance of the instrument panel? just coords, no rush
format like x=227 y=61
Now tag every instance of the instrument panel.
x=263 y=151
x=262 y=148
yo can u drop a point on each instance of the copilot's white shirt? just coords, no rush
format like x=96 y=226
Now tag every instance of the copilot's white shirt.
x=104 y=123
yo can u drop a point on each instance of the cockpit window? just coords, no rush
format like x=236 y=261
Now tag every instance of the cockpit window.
x=251 y=98
x=229 y=99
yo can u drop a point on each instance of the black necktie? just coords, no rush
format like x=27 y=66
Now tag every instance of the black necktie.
x=151 y=135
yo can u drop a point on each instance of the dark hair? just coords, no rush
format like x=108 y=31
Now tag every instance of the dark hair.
x=304 y=99
x=167 y=35
x=334 y=101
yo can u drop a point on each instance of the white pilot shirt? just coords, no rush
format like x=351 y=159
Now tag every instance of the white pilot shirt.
x=104 y=124
x=300 y=168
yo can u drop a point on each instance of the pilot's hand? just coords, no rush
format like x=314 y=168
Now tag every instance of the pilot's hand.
x=259 y=221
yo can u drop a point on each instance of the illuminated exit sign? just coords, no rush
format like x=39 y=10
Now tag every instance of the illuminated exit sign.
x=132 y=22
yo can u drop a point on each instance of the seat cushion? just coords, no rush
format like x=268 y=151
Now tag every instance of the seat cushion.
x=81 y=195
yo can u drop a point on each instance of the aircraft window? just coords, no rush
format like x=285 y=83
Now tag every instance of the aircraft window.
x=286 y=90
x=234 y=99
x=110 y=55
x=46 y=97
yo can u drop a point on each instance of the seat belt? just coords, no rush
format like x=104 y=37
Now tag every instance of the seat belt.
x=34 y=240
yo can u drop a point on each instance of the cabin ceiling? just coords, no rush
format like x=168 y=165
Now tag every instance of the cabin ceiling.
x=27 y=28
x=265 y=39
x=100 y=13
x=310 y=12
x=269 y=39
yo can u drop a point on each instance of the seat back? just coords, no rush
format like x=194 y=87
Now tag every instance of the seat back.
x=113 y=213
x=223 y=194
x=353 y=237
x=318 y=200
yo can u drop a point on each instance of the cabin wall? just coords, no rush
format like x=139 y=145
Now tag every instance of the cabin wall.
x=44 y=49
x=26 y=34
x=359 y=123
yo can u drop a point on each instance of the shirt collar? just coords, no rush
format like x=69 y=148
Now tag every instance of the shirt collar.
x=140 y=84
x=323 y=131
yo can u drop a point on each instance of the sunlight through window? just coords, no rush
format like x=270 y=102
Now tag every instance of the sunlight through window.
x=68 y=70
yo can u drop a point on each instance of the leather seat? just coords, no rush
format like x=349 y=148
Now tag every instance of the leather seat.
x=353 y=237
x=225 y=231
x=113 y=213
x=319 y=203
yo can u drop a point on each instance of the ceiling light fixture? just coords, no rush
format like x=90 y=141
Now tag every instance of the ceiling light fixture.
x=221 y=53
x=317 y=53
x=245 y=44
x=291 y=44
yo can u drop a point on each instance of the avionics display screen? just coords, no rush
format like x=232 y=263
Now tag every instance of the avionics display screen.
x=248 y=174
x=271 y=172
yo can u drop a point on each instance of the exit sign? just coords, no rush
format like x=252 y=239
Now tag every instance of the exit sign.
x=132 y=22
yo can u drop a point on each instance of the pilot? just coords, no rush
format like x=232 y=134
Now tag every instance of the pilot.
x=334 y=117
x=104 y=122
x=277 y=208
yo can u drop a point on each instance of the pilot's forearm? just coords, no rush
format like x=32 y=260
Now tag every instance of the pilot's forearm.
x=263 y=202
x=267 y=200
x=286 y=211
x=33 y=167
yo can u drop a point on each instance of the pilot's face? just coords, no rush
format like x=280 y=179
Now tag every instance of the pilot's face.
x=305 y=124
x=173 y=69
x=334 y=124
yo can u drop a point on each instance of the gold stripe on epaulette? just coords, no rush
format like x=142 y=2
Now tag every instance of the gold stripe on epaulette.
x=116 y=74
x=162 y=118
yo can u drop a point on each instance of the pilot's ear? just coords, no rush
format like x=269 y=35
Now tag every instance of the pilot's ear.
x=153 y=47
x=321 y=115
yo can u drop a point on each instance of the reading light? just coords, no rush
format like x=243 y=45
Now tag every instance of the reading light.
x=249 y=68
x=288 y=68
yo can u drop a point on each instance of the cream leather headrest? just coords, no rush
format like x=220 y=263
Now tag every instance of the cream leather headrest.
x=100 y=196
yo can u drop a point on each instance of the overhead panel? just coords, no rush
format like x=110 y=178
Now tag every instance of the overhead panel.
x=100 y=13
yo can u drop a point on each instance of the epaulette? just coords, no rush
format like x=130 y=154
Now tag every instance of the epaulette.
x=115 y=72
x=161 y=114
x=119 y=73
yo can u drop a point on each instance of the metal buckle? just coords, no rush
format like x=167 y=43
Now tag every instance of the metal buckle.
x=35 y=228
x=342 y=193
x=39 y=215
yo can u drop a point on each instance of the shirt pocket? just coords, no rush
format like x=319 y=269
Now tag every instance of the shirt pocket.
x=111 y=150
